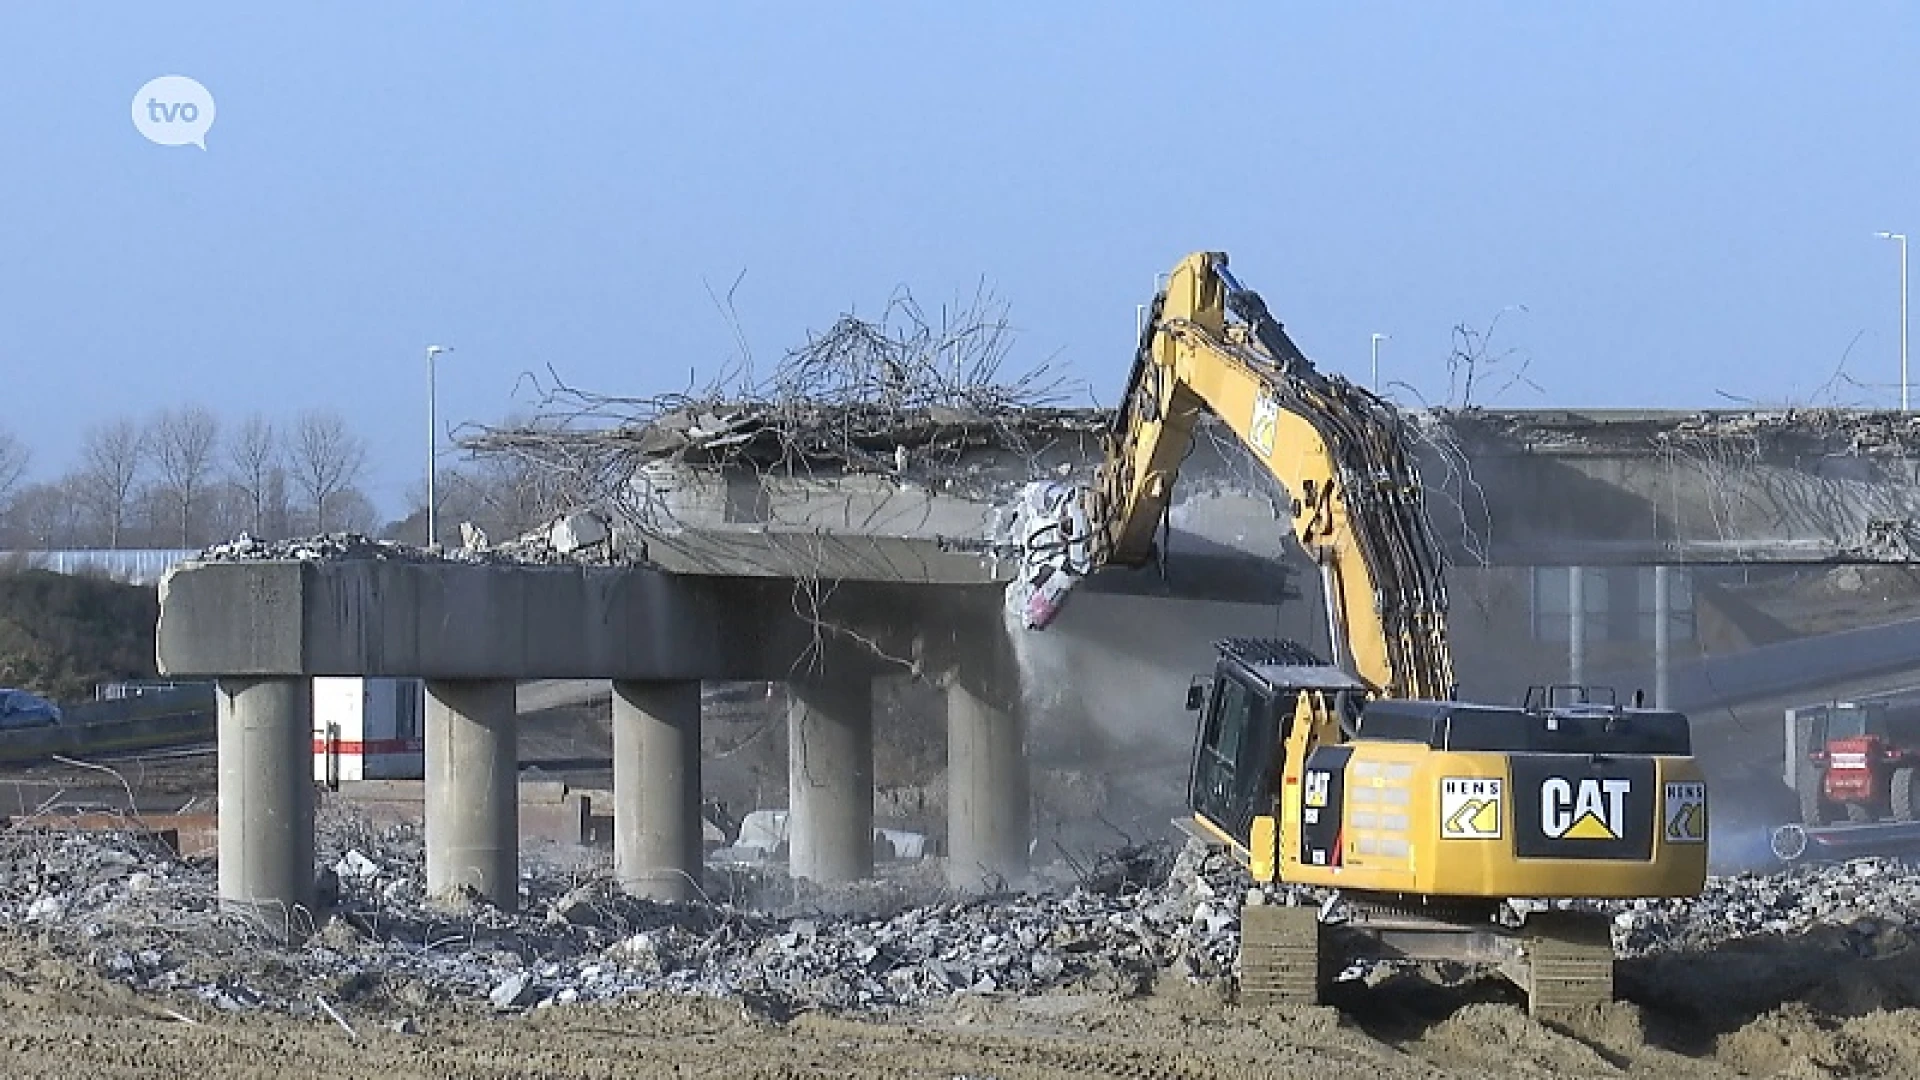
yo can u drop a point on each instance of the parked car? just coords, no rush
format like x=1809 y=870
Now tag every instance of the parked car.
x=24 y=709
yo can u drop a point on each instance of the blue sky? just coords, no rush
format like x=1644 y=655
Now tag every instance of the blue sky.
x=1683 y=197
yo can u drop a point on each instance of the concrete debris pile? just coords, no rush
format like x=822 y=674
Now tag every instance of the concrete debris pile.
x=1837 y=431
x=330 y=547
x=1876 y=899
x=120 y=903
x=1848 y=432
x=581 y=537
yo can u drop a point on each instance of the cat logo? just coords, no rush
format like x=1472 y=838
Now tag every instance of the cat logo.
x=1686 y=813
x=1470 y=808
x=1266 y=423
x=1318 y=783
x=1594 y=809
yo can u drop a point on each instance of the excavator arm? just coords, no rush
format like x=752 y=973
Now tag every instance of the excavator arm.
x=1210 y=346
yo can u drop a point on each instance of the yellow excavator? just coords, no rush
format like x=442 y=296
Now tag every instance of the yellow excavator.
x=1442 y=830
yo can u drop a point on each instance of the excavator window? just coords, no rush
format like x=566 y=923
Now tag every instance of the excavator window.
x=1230 y=782
x=1227 y=726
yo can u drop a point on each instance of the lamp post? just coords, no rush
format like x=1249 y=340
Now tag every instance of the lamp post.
x=1377 y=339
x=1902 y=238
x=433 y=445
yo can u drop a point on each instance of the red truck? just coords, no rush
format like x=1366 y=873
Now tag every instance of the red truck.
x=1863 y=758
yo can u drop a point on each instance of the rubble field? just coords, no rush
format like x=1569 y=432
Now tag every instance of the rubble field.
x=116 y=960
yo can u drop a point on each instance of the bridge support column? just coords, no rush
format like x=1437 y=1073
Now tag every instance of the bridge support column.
x=473 y=795
x=656 y=789
x=989 y=821
x=1576 y=625
x=264 y=728
x=1663 y=636
x=830 y=778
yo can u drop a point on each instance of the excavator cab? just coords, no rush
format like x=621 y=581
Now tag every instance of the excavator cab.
x=1247 y=712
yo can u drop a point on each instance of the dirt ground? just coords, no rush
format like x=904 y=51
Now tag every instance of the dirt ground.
x=1793 y=1010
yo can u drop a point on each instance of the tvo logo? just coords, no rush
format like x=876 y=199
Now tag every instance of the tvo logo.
x=1593 y=808
x=174 y=110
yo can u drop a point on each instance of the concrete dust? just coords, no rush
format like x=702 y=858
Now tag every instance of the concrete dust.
x=1104 y=688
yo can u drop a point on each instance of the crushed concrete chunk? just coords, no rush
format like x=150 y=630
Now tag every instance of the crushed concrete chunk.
x=576 y=531
x=356 y=866
x=513 y=992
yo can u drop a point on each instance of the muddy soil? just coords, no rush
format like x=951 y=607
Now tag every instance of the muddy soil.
x=1838 y=1018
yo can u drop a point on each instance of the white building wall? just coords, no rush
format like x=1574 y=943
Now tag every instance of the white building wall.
x=368 y=729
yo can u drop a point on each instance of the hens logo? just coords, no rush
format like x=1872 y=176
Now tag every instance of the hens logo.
x=1470 y=808
x=1595 y=808
x=1686 y=813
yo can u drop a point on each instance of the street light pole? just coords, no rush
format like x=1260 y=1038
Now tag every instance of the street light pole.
x=1902 y=238
x=1377 y=339
x=433 y=446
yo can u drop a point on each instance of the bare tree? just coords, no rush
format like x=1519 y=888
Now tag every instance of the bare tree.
x=45 y=516
x=14 y=457
x=352 y=511
x=327 y=459
x=505 y=495
x=253 y=457
x=112 y=459
x=183 y=442
x=279 y=500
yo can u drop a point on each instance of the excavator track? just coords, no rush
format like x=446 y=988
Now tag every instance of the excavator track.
x=1282 y=959
x=1563 y=961
x=1569 y=962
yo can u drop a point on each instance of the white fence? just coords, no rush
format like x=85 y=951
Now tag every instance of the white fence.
x=139 y=566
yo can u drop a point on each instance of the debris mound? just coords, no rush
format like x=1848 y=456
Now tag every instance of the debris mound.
x=575 y=538
x=120 y=902
x=123 y=904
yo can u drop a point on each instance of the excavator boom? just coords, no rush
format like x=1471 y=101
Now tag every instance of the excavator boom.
x=1211 y=346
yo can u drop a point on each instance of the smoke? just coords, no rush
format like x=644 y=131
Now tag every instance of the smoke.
x=1744 y=805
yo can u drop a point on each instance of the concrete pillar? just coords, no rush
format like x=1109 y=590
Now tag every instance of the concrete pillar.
x=265 y=733
x=473 y=795
x=830 y=778
x=1576 y=625
x=657 y=849
x=1663 y=636
x=989 y=821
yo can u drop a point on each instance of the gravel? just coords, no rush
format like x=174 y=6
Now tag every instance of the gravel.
x=122 y=904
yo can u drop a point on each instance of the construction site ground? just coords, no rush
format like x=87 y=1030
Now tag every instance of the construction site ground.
x=59 y=1021
x=1820 y=1001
